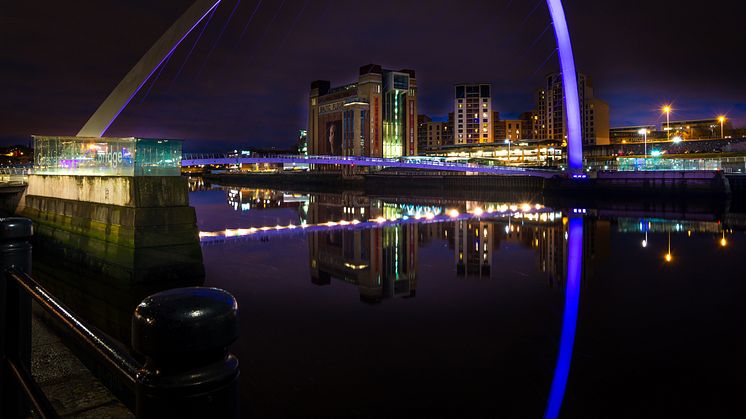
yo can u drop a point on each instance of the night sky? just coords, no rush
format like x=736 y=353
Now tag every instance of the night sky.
x=59 y=60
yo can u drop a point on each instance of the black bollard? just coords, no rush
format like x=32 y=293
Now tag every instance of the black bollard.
x=15 y=248
x=15 y=313
x=184 y=334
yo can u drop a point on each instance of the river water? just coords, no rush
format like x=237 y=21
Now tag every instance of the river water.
x=356 y=306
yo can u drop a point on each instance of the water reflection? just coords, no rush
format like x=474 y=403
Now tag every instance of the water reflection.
x=463 y=277
x=569 y=317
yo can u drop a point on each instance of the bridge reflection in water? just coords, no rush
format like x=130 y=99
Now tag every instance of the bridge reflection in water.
x=375 y=244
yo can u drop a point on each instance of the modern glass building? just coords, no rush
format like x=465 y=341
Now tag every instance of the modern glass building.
x=106 y=156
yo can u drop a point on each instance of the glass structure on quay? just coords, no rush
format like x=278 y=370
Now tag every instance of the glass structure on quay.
x=106 y=156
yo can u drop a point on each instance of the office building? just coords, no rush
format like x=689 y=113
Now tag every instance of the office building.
x=374 y=116
x=698 y=128
x=473 y=114
x=630 y=134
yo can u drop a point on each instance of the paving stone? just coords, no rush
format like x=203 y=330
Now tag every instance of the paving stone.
x=70 y=387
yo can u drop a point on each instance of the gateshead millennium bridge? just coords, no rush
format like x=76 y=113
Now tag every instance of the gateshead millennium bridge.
x=411 y=162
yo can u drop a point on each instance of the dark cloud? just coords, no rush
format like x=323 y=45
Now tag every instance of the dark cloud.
x=59 y=60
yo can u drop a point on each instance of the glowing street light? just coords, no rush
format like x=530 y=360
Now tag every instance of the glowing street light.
x=667 y=110
x=644 y=132
x=721 y=119
x=676 y=139
x=645 y=241
x=723 y=241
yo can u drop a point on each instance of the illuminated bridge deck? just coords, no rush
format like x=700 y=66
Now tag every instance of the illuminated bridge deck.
x=403 y=163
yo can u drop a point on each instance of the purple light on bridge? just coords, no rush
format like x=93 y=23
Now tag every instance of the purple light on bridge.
x=569 y=86
x=569 y=318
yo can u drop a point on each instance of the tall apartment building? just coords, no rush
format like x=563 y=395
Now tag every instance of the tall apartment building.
x=550 y=112
x=473 y=114
x=375 y=116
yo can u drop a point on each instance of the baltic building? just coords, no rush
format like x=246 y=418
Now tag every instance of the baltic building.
x=375 y=116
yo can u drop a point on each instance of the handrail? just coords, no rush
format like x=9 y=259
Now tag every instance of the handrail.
x=121 y=362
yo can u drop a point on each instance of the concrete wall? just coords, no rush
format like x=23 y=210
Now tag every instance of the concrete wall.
x=150 y=191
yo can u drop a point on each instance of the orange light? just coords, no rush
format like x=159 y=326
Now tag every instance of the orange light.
x=666 y=109
x=669 y=257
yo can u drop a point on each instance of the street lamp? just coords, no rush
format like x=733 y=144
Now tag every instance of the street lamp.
x=721 y=119
x=644 y=133
x=667 y=110
x=507 y=141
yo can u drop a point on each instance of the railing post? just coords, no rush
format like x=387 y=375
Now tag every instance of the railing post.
x=184 y=335
x=15 y=313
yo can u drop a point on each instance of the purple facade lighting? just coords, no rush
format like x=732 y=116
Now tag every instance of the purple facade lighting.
x=569 y=318
x=569 y=86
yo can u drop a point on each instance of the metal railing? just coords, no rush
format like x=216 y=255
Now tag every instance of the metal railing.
x=413 y=162
x=627 y=164
x=183 y=335
x=16 y=171
x=14 y=176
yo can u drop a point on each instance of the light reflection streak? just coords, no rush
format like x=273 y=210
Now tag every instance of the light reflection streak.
x=542 y=214
x=569 y=318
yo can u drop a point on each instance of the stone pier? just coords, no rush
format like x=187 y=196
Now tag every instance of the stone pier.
x=125 y=227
